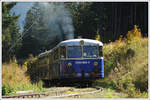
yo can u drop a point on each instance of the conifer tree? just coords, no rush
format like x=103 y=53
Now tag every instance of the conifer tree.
x=10 y=32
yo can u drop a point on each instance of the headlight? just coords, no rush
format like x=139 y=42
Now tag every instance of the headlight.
x=95 y=63
x=69 y=64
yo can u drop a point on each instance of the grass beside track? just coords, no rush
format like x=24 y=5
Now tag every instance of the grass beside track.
x=14 y=79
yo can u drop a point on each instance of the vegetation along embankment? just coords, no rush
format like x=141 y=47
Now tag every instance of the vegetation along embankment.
x=14 y=78
x=126 y=65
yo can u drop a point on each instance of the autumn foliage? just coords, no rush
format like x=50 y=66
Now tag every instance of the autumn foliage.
x=126 y=64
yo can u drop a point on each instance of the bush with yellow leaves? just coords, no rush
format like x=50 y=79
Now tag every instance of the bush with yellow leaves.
x=126 y=64
x=136 y=32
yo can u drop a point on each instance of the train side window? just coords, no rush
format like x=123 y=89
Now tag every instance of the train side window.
x=50 y=58
x=100 y=51
x=40 y=61
x=62 y=52
x=56 y=54
x=43 y=60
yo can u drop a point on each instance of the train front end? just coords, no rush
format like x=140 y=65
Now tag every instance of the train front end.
x=83 y=59
x=87 y=68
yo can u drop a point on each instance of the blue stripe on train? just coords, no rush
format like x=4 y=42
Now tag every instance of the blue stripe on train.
x=85 y=65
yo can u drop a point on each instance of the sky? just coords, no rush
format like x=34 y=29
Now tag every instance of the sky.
x=21 y=8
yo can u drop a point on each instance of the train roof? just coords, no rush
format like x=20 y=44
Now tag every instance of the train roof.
x=43 y=53
x=72 y=42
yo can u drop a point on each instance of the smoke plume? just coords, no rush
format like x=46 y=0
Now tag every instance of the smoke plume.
x=58 y=22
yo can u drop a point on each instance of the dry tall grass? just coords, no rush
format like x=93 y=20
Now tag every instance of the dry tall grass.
x=14 y=78
x=12 y=74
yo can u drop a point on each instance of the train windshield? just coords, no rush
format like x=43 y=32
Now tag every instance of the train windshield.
x=74 y=52
x=90 y=52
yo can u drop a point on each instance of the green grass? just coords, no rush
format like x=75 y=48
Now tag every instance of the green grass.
x=106 y=93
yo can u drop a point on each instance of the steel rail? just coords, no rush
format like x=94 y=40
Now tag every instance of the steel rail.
x=37 y=95
x=78 y=94
x=58 y=94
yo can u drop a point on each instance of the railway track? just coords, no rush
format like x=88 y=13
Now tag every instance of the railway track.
x=77 y=95
x=37 y=95
x=56 y=94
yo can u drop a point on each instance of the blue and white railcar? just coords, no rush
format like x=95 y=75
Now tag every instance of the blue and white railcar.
x=74 y=58
x=82 y=58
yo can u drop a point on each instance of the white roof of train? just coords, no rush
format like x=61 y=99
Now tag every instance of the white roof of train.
x=77 y=42
x=43 y=53
x=72 y=42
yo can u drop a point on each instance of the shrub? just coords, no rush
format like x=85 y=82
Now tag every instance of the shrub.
x=136 y=32
x=126 y=64
x=7 y=90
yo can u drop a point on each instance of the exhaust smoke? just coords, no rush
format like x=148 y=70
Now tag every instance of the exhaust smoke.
x=58 y=22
